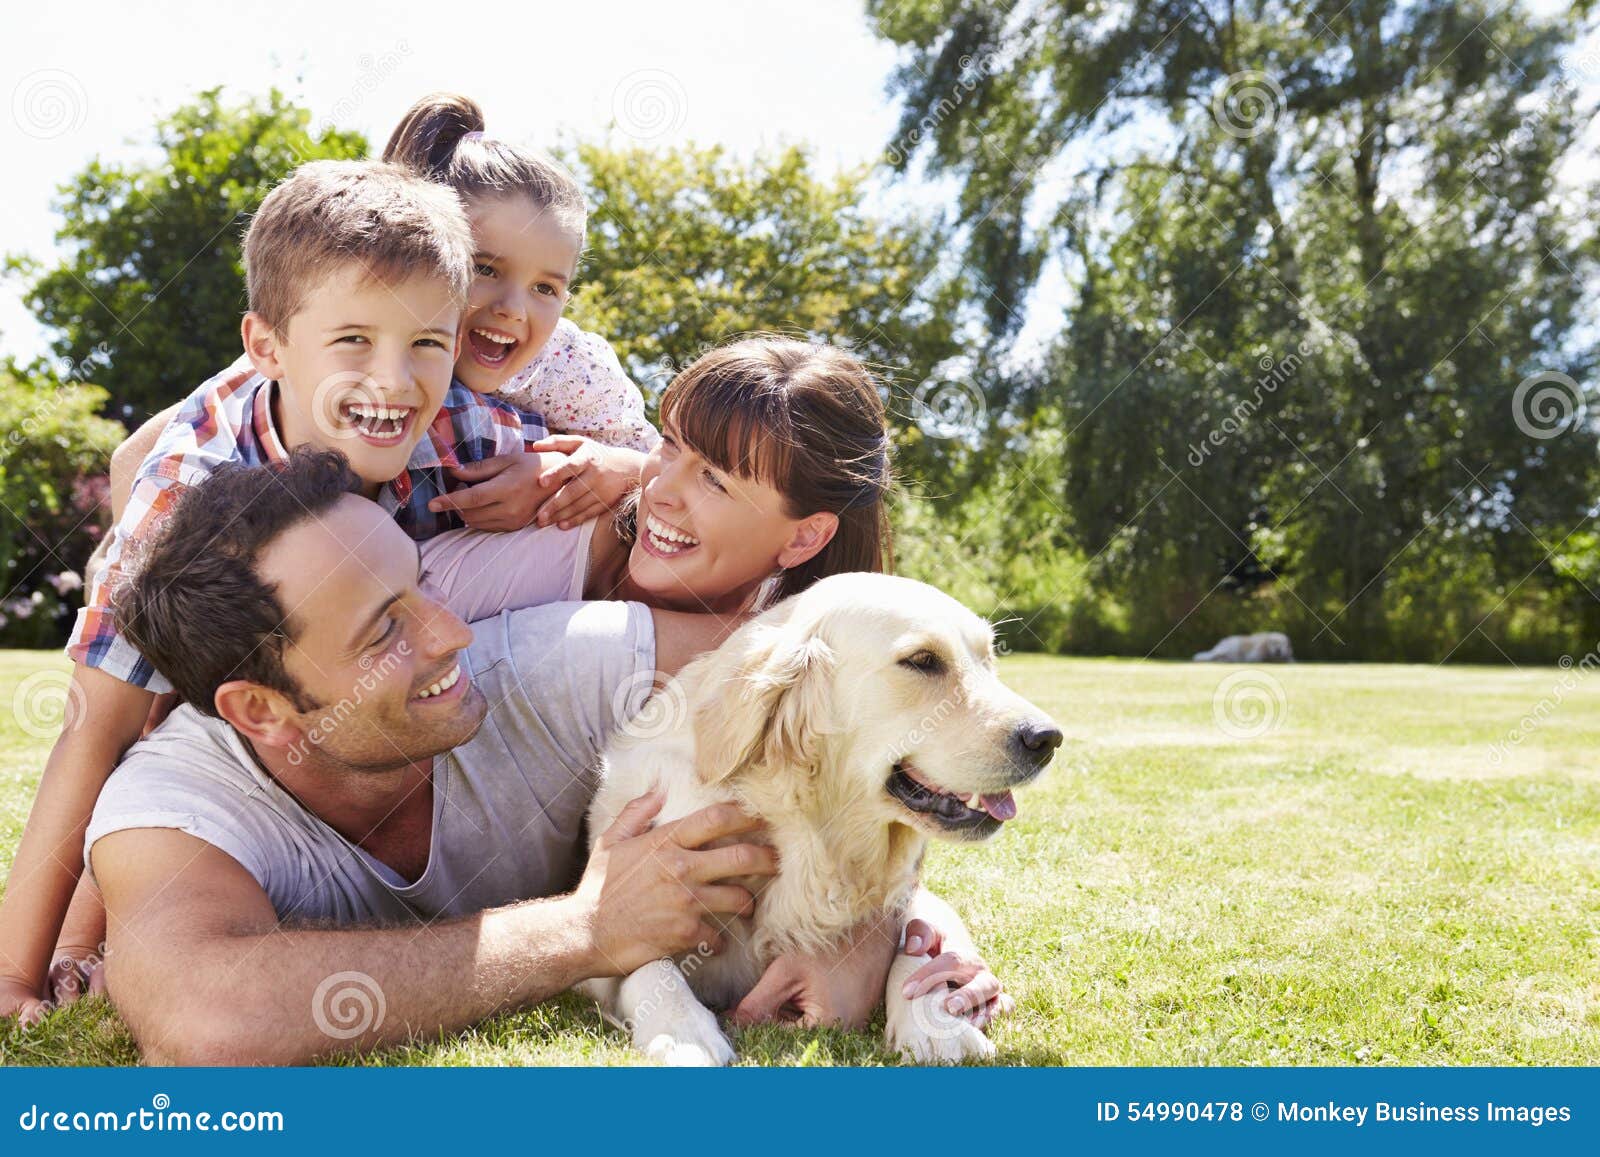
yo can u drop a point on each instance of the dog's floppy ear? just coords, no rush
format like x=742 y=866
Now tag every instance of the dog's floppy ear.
x=764 y=697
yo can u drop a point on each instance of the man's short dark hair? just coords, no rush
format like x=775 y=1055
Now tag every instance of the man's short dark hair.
x=196 y=606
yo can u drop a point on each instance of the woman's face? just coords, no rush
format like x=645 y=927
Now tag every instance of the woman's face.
x=707 y=538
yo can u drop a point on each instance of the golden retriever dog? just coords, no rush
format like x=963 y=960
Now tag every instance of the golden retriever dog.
x=859 y=719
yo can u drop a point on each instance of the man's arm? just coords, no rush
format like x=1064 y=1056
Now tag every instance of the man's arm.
x=204 y=975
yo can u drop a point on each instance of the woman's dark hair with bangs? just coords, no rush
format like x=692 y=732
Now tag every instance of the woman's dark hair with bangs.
x=805 y=419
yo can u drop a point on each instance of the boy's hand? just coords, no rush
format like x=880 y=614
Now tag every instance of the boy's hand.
x=20 y=1001
x=506 y=491
x=603 y=476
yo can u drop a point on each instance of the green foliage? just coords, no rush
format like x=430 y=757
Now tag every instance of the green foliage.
x=1314 y=255
x=689 y=248
x=148 y=295
x=53 y=457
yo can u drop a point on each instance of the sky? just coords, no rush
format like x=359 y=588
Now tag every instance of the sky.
x=748 y=75
x=745 y=75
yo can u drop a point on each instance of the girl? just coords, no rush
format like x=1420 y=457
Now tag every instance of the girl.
x=528 y=220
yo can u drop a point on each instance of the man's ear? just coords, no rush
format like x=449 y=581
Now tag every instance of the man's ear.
x=258 y=713
x=765 y=696
x=261 y=346
x=812 y=534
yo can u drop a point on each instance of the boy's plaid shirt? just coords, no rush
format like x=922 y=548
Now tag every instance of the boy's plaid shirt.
x=229 y=419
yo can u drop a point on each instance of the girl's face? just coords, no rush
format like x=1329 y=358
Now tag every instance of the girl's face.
x=525 y=261
x=707 y=538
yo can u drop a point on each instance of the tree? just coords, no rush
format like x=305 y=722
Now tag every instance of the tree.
x=689 y=248
x=1333 y=238
x=151 y=287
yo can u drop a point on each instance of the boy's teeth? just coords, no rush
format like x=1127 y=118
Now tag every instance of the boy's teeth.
x=442 y=685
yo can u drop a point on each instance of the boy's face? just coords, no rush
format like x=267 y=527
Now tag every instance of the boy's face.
x=362 y=367
x=524 y=261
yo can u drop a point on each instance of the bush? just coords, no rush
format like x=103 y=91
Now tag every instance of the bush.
x=54 y=453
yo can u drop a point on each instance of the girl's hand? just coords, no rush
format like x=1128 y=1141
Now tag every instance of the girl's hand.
x=976 y=992
x=602 y=476
x=506 y=491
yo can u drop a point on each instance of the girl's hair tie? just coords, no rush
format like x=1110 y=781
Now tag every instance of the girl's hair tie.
x=474 y=135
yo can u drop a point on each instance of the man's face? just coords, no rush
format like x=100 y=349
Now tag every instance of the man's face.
x=363 y=368
x=375 y=654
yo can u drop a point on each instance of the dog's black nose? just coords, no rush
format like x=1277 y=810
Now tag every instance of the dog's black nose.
x=1036 y=741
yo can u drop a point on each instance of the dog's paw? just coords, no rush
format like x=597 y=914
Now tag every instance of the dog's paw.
x=931 y=1035
x=691 y=1040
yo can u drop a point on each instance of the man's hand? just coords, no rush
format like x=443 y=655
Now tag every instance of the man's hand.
x=602 y=476
x=653 y=893
x=843 y=987
x=978 y=993
x=505 y=491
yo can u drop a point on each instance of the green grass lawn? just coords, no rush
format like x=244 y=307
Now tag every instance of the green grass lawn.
x=1359 y=883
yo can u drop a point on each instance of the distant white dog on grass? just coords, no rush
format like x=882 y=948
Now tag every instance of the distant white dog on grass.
x=1265 y=647
x=858 y=719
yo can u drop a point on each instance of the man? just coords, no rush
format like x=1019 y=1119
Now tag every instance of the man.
x=361 y=787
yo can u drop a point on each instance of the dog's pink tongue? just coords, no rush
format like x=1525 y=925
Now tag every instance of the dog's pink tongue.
x=1001 y=807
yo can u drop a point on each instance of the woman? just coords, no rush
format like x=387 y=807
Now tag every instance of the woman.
x=771 y=473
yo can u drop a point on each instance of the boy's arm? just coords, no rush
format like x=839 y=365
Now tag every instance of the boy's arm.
x=108 y=701
x=104 y=716
x=128 y=457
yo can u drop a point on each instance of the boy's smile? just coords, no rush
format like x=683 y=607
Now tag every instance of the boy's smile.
x=362 y=368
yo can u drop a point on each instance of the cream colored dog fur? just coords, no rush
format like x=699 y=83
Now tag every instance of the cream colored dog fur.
x=855 y=719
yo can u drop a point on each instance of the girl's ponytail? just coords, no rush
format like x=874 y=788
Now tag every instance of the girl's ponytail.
x=426 y=138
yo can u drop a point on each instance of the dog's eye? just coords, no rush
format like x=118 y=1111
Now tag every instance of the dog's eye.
x=924 y=661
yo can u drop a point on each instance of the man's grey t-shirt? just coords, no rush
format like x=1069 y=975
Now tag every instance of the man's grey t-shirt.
x=508 y=805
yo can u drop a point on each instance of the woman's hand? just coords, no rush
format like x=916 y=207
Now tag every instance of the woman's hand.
x=597 y=479
x=842 y=987
x=977 y=992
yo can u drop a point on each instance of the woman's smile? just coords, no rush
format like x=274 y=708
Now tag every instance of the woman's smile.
x=664 y=540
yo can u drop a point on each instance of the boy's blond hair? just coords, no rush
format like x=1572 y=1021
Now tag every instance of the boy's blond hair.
x=328 y=214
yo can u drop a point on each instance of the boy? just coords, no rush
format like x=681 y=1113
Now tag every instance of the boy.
x=358 y=274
